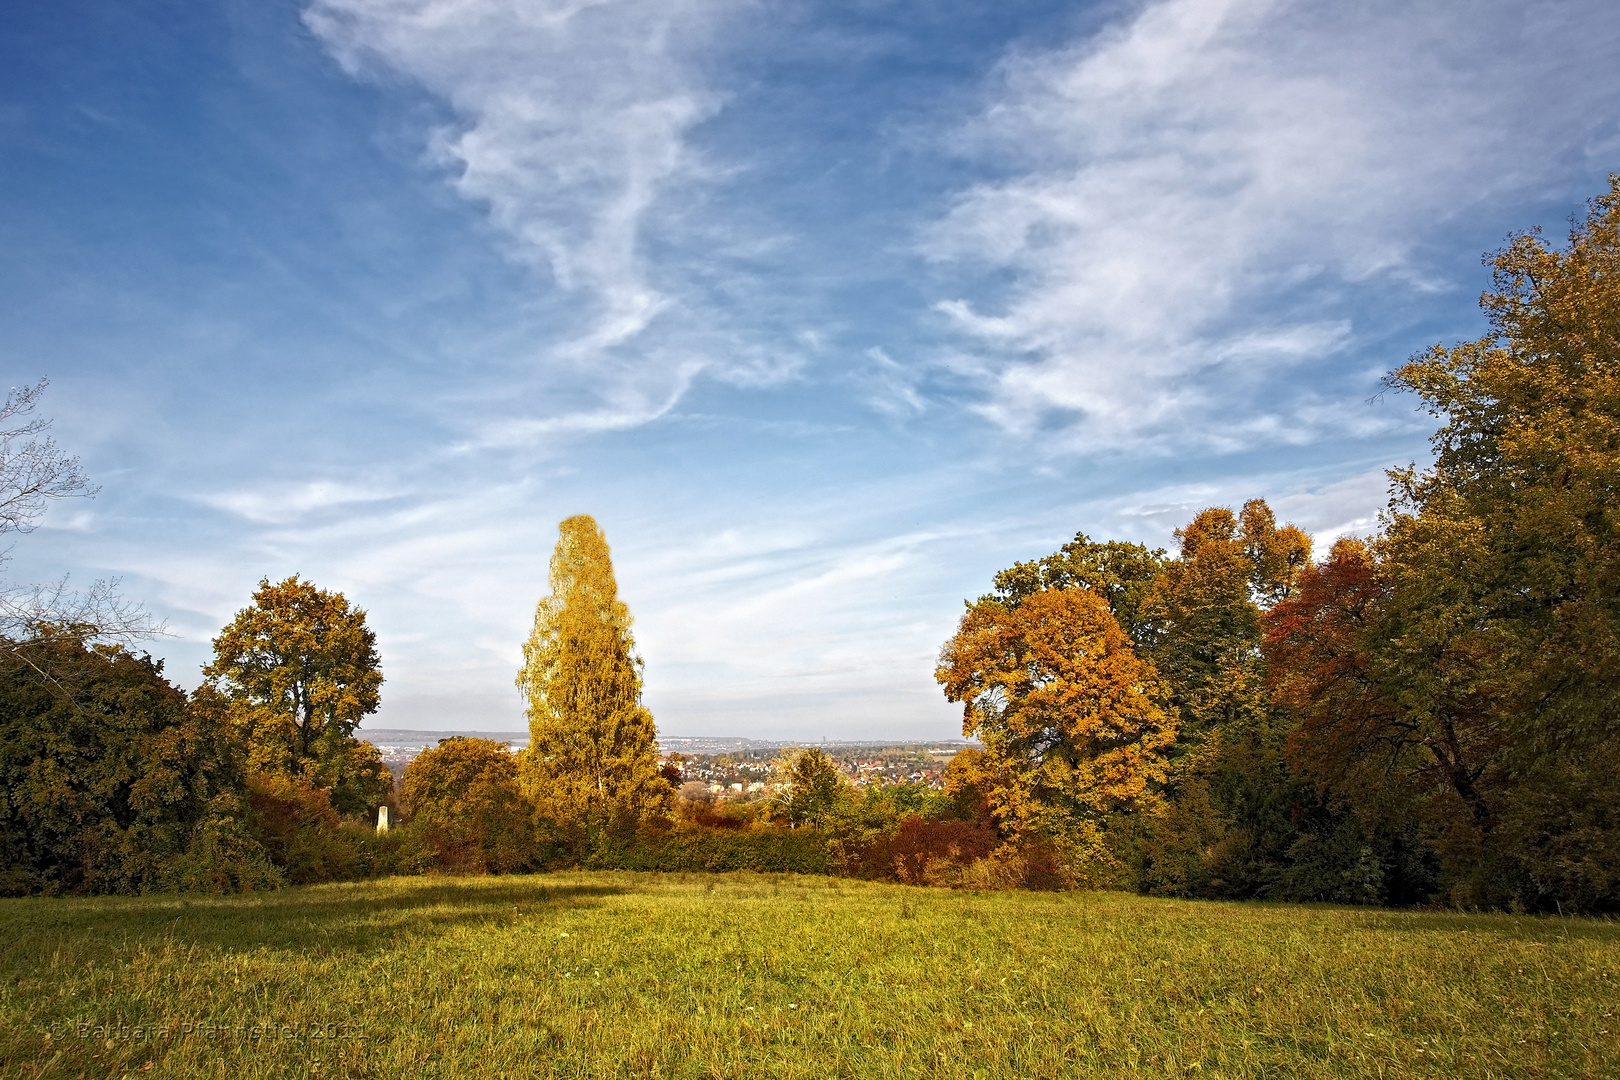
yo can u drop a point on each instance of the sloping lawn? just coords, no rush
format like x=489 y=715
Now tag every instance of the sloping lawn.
x=621 y=974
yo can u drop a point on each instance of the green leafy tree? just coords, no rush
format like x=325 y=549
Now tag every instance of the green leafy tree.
x=109 y=782
x=592 y=759
x=1121 y=573
x=1233 y=808
x=814 y=786
x=296 y=672
x=1205 y=606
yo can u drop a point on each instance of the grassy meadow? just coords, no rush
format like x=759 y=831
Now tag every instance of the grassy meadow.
x=623 y=974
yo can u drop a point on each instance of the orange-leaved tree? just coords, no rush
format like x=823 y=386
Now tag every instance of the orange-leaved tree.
x=1070 y=718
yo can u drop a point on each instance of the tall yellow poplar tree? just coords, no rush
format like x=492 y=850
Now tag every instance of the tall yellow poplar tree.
x=592 y=761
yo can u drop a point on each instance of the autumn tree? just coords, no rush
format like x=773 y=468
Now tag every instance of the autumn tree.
x=465 y=794
x=1319 y=651
x=1205 y=607
x=1481 y=682
x=296 y=672
x=1233 y=808
x=1328 y=663
x=1120 y=572
x=1509 y=544
x=1346 y=734
x=592 y=759
x=1069 y=716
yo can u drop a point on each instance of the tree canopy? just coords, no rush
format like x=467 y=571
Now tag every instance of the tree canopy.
x=1118 y=571
x=1205 y=608
x=105 y=776
x=297 y=671
x=592 y=759
x=1504 y=555
x=1462 y=669
x=1071 y=719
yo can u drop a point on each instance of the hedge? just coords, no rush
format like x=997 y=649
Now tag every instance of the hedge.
x=796 y=851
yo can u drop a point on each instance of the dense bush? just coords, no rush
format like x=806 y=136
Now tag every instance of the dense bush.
x=310 y=842
x=727 y=813
x=107 y=778
x=464 y=797
x=225 y=854
x=920 y=852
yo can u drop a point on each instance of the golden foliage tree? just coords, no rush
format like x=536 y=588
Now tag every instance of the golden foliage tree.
x=1068 y=714
x=465 y=794
x=592 y=760
x=296 y=672
x=1503 y=558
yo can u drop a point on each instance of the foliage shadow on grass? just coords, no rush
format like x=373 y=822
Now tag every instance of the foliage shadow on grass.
x=320 y=919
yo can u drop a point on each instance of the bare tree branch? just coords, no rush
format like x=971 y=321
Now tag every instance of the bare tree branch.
x=33 y=470
x=99 y=613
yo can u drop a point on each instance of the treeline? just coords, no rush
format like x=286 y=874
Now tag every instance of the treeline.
x=589 y=789
x=1429 y=714
x=117 y=781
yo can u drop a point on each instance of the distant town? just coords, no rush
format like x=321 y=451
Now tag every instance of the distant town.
x=732 y=768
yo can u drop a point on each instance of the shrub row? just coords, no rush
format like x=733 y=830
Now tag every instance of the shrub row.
x=705 y=848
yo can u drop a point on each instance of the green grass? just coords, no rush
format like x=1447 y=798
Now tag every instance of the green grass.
x=621 y=974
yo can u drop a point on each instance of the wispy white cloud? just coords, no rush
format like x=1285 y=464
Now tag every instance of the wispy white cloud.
x=1186 y=197
x=891 y=387
x=629 y=403
x=283 y=503
x=572 y=121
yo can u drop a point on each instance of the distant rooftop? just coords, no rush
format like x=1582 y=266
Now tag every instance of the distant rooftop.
x=405 y=739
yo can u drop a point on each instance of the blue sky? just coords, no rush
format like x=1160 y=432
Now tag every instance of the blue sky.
x=825 y=311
